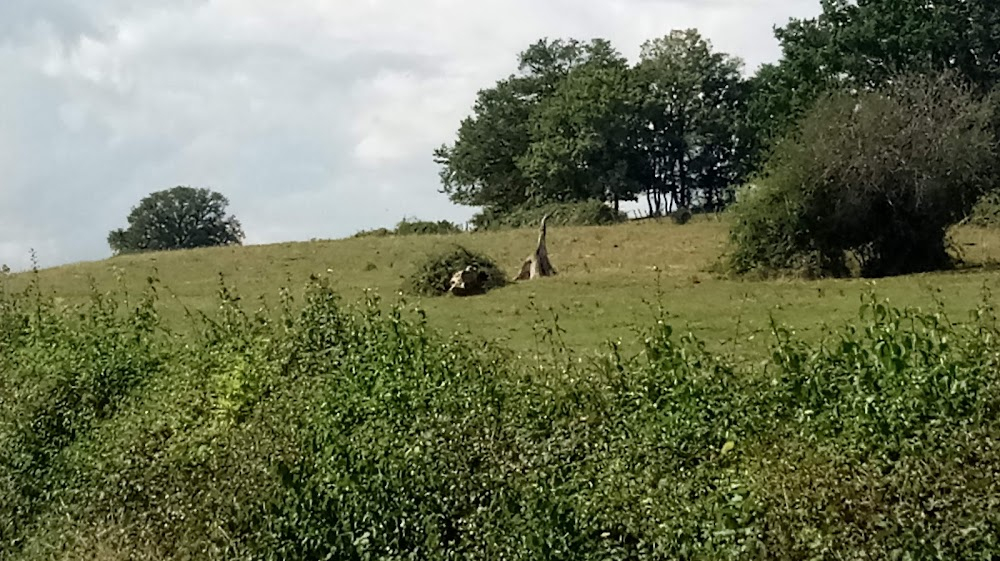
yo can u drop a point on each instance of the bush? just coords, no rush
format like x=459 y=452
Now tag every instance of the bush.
x=986 y=213
x=413 y=228
x=586 y=213
x=323 y=430
x=423 y=227
x=433 y=275
x=875 y=178
x=681 y=216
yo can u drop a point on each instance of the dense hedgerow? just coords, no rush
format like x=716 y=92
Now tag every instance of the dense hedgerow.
x=322 y=430
x=413 y=228
x=583 y=213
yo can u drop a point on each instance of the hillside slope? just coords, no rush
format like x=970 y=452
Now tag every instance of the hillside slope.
x=608 y=281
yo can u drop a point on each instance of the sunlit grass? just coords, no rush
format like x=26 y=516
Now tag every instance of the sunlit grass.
x=610 y=277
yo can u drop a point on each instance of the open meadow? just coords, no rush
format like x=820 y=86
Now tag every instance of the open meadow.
x=611 y=280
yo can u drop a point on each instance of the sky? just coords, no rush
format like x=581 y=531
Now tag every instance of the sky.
x=316 y=118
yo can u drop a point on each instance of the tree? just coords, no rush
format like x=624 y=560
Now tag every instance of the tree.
x=485 y=165
x=693 y=100
x=480 y=168
x=862 y=44
x=877 y=177
x=583 y=137
x=177 y=218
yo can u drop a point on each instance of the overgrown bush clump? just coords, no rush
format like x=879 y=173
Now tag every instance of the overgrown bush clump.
x=584 y=213
x=413 y=228
x=874 y=179
x=322 y=430
x=986 y=213
x=433 y=275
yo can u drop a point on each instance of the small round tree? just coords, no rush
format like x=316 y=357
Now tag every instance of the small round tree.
x=876 y=177
x=177 y=218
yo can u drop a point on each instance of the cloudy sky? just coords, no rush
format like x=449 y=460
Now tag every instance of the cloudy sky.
x=317 y=118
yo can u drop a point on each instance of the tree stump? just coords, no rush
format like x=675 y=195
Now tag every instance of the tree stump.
x=538 y=264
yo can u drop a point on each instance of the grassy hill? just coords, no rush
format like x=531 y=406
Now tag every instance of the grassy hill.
x=609 y=281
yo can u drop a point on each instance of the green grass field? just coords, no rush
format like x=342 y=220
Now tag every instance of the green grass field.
x=610 y=279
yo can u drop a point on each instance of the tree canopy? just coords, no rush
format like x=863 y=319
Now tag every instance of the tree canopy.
x=177 y=218
x=578 y=122
x=684 y=126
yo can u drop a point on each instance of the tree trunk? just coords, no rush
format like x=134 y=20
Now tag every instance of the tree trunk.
x=538 y=265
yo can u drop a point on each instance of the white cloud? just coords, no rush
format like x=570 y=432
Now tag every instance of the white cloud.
x=315 y=118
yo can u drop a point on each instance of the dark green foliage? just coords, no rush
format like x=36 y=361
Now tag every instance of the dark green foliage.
x=583 y=213
x=865 y=44
x=692 y=106
x=319 y=430
x=433 y=275
x=986 y=213
x=584 y=134
x=682 y=216
x=423 y=227
x=413 y=228
x=578 y=122
x=877 y=178
x=177 y=218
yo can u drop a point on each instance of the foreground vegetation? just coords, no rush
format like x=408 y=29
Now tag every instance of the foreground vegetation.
x=318 y=429
x=163 y=413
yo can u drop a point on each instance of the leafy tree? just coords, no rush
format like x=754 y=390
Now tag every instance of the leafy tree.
x=691 y=114
x=177 y=218
x=863 y=44
x=484 y=166
x=877 y=177
x=480 y=167
x=584 y=135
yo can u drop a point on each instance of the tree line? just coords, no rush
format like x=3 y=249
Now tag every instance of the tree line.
x=682 y=126
x=873 y=133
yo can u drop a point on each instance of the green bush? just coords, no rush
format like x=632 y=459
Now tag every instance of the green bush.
x=875 y=179
x=422 y=227
x=586 y=213
x=413 y=228
x=986 y=213
x=432 y=276
x=324 y=430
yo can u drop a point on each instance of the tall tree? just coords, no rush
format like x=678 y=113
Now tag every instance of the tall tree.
x=863 y=44
x=691 y=117
x=481 y=167
x=583 y=136
x=177 y=218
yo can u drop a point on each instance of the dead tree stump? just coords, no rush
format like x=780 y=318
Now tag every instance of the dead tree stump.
x=538 y=264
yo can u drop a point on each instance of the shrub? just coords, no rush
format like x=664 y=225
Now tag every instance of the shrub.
x=986 y=213
x=424 y=227
x=413 y=228
x=433 y=276
x=586 y=213
x=681 y=216
x=376 y=233
x=325 y=430
x=877 y=178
